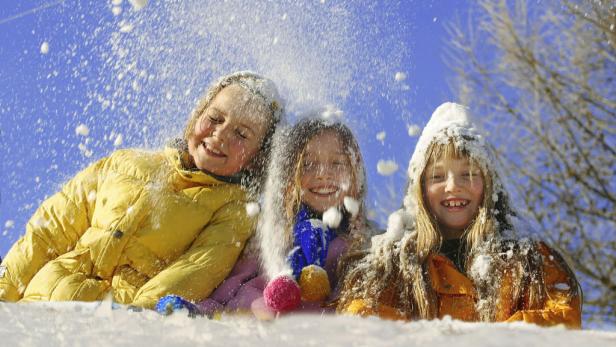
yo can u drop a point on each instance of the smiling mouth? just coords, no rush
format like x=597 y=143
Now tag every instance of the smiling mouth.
x=324 y=191
x=211 y=151
x=457 y=203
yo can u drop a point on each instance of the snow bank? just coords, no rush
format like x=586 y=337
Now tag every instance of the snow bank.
x=91 y=324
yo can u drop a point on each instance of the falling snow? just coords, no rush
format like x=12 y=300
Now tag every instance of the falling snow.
x=332 y=217
x=414 y=130
x=45 y=48
x=386 y=167
x=82 y=130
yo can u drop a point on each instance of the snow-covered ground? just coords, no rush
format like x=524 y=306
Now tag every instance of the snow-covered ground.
x=93 y=324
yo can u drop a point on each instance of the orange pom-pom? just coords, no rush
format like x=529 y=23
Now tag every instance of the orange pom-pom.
x=314 y=283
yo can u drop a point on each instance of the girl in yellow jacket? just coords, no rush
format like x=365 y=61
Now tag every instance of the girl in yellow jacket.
x=452 y=249
x=145 y=224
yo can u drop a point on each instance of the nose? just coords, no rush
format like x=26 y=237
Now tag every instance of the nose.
x=452 y=184
x=323 y=171
x=220 y=131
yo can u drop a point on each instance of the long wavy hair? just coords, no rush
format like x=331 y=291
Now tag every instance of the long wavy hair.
x=396 y=273
x=299 y=137
x=282 y=198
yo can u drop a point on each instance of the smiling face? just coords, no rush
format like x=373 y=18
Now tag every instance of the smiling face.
x=326 y=172
x=453 y=190
x=229 y=132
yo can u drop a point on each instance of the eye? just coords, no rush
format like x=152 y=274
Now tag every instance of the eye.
x=437 y=177
x=241 y=133
x=214 y=118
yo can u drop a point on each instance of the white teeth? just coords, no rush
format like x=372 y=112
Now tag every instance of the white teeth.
x=213 y=150
x=455 y=203
x=324 y=190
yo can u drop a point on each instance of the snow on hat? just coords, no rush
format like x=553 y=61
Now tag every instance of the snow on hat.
x=252 y=82
x=449 y=122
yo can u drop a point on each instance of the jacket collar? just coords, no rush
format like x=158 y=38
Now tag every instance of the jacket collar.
x=179 y=158
x=446 y=279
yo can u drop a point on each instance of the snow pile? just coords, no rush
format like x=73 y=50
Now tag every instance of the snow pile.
x=92 y=324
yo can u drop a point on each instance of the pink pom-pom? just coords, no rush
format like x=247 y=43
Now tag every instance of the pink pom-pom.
x=282 y=294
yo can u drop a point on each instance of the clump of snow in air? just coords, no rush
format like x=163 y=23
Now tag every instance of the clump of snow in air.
x=332 y=217
x=119 y=139
x=126 y=27
x=92 y=196
x=253 y=209
x=381 y=136
x=351 y=205
x=45 y=48
x=116 y=10
x=386 y=167
x=82 y=130
x=138 y=4
x=116 y=2
x=481 y=266
x=414 y=130
x=9 y=224
x=331 y=111
x=400 y=76
x=85 y=150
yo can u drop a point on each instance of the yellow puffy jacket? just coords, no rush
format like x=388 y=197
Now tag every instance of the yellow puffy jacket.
x=457 y=297
x=136 y=224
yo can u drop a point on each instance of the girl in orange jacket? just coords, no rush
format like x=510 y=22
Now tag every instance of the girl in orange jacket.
x=452 y=250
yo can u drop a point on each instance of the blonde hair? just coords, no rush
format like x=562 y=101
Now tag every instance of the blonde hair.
x=299 y=137
x=254 y=177
x=405 y=262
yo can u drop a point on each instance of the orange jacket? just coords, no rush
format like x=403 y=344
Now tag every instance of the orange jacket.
x=457 y=296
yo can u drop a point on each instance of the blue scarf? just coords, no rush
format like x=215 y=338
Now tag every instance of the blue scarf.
x=311 y=239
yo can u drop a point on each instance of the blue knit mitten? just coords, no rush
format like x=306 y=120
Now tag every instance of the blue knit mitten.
x=171 y=303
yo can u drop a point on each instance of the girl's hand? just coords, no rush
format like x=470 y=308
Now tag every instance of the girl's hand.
x=171 y=303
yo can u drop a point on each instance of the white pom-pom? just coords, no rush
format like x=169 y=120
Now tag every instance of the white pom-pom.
x=332 y=217
x=253 y=209
x=351 y=205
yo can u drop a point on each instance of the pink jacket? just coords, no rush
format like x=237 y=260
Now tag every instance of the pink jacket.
x=245 y=284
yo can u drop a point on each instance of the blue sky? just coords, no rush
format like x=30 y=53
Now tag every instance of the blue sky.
x=138 y=73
